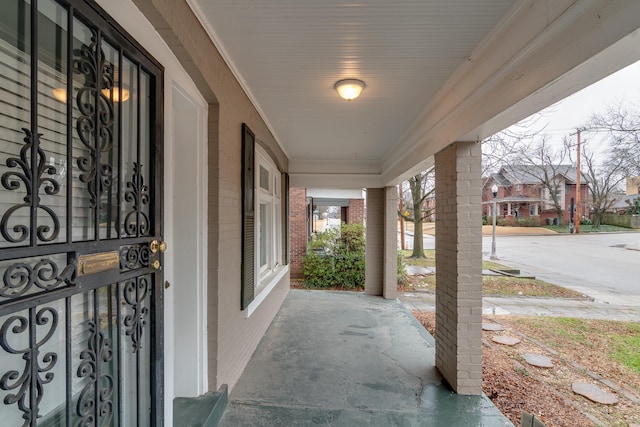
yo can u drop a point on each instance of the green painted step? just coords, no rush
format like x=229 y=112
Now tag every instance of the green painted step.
x=201 y=411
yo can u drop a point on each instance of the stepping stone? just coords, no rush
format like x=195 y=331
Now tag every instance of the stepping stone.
x=538 y=360
x=492 y=327
x=594 y=393
x=505 y=340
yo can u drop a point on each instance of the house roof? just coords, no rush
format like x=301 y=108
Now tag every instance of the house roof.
x=625 y=202
x=532 y=174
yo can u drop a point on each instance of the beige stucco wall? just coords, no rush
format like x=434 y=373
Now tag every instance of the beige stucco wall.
x=232 y=337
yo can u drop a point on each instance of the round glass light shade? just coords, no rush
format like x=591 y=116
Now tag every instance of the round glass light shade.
x=114 y=94
x=349 y=88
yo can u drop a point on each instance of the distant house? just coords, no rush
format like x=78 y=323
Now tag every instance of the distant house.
x=633 y=185
x=625 y=201
x=522 y=194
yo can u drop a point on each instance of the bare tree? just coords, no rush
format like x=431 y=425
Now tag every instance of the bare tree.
x=603 y=180
x=621 y=122
x=505 y=146
x=419 y=188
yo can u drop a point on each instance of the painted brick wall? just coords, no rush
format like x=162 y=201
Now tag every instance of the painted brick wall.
x=390 y=285
x=459 y=266
x=297 y=230
x=356 y=211
x=232 y=337
x=374 y=268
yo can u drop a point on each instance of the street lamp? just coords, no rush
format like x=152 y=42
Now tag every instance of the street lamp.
x=494 y=191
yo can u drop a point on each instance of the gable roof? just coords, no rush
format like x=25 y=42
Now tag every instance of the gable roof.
x=528 y=174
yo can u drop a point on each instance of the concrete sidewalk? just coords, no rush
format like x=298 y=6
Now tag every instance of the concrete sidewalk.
x=349 y=359
x=528 y=306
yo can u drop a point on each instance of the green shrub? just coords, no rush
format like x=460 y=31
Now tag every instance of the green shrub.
x=529 y=222
x=586 y=221
x=335 y=258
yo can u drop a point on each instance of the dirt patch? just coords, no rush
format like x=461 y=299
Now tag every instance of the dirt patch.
x=514 y=386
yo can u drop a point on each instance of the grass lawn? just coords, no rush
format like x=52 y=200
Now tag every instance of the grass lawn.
x=513 y=286
x=430 y=260
x=619 y=341
x=491 y=285
x=501 y=286
x=587 y=228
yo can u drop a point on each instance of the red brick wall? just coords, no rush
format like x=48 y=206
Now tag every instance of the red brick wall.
x=297 y=230
x=356 y=211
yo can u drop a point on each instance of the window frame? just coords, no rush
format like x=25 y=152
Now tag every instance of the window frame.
x=269 y=274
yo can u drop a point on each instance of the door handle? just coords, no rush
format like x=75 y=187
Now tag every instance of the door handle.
x=157 y=245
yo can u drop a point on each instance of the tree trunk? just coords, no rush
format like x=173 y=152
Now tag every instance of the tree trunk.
x=415 y=184
x=418 y=241
x=560 y=215
x=597 y=218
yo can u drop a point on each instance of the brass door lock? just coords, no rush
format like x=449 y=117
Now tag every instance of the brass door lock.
x=155 y=264
x=156 y=246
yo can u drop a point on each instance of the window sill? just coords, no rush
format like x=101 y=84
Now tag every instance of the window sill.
x=270 y=282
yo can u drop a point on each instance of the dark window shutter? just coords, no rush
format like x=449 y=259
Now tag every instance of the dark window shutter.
x=248 y=216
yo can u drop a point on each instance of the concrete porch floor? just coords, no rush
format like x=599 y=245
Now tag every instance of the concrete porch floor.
x=349 y=359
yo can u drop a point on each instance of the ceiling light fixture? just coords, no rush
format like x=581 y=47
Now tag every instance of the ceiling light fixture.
x=60 y=93
x=349 y=88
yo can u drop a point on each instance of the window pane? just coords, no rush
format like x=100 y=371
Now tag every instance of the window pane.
x=263 y=233
x=52 y=118
x=83 y=165
x=264 y=178
x=15 y=105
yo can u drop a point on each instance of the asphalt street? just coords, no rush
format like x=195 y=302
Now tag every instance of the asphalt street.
x=604 y=266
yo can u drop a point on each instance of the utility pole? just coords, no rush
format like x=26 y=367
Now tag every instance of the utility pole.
x=578 y=189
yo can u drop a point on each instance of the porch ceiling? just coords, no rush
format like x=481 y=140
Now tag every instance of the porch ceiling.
x=436 y=71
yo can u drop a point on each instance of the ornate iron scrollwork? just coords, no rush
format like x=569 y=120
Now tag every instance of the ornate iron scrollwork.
x=32 y=179
x=20 y=277
x=134 y=293
x=136 y=221
x=96 y=391
x=133 y=257
x=29 y=389
x=96 y=116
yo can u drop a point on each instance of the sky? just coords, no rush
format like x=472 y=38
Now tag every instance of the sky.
x=565 y=116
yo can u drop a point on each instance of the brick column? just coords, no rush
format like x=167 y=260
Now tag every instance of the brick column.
x=297 y=230
x=356 y=211
x=459 y=266
x=382 y=243
x=374 y=271
x=390 y=284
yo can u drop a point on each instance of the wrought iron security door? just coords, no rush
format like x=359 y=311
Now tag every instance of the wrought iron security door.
x=80 y=226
